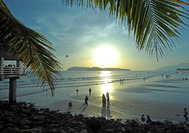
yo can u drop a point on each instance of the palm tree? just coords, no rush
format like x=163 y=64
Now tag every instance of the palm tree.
x=155 y=24
x=33 y=48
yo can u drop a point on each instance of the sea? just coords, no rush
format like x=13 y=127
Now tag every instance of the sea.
x=170 y=87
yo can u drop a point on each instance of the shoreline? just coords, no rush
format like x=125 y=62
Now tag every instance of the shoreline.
x=25 y=117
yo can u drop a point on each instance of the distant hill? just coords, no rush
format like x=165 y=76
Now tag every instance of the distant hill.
x=181 y=66
x=78 y=68
x=183 y=69
x=95 y=69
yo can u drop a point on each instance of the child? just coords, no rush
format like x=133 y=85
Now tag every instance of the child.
x=70 y=104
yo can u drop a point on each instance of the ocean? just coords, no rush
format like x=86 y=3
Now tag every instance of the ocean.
x=132 y=93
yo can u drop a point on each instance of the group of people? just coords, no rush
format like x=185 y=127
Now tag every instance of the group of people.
x=77 y=91
x=107 y=98
x=86 y=98
x=148 y=119
x=104 y=98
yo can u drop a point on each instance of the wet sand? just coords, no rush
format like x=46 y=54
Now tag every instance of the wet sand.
x=161 y=98
x=119 y=109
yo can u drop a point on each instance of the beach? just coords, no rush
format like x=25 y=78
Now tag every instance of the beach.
x=131 y=94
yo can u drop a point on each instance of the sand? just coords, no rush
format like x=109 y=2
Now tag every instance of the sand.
x=161 y=98
x=119 y=109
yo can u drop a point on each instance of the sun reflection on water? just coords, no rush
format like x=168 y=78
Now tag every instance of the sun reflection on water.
x=106 y=82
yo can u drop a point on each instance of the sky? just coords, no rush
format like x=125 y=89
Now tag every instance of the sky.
x=91 y=38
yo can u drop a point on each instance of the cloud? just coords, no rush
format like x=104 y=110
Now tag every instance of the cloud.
x=73 y=29
x=76 y=31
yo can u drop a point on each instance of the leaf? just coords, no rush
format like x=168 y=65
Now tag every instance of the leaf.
x=32 y=47
x=149 y=20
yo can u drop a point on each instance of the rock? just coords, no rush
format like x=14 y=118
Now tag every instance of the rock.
x=169 y=131
x=1 y=126
x=62 y=131
x=109 y=130
x=26 y=118
x=179 y=131
x=71 y=130
x=53 y=130
x=187 y=130
x=179 y=126
x=84 y=131
x=94 y=124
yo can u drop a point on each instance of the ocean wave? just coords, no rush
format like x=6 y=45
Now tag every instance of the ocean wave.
x=76 y=79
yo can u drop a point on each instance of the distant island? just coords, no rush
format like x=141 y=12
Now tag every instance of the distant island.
x=95 y=69
x=183 y=69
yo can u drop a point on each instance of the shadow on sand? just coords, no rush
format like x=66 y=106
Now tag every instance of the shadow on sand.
x=83 y=108
x=105 y=112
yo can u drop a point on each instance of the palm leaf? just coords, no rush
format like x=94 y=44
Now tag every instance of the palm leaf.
x=33 y=48
x=155 y=23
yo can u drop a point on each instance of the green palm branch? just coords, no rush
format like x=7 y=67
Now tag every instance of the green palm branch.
x=33 y=48
x=155 y=24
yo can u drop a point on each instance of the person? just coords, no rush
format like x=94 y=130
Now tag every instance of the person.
x=185 y=114
x=86 y=100
x=142 y=118
x=108 y=99
x=70 y=104
x=89 y=91
x=104 y=100
x=108 y=96
x=148 y=120
x=77 y=91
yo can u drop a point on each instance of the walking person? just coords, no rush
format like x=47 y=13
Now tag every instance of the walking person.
x=185 y=114
x=86 y=100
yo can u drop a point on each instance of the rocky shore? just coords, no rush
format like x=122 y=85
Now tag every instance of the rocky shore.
x=26 y=118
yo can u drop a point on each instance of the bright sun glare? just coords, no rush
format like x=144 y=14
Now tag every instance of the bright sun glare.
x=106 y=79
x=106 y=56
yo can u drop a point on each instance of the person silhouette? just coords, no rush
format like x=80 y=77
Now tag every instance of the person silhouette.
x=90 y=91
x=77 y=91
x=142 y=118
x=148 y=120
x=86 y=100
x=108 y=99
x=185 y=114
x=108 y=96
x=103 y=100
x=70 y=104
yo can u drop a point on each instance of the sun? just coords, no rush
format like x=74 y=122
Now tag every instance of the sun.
x=105 y=56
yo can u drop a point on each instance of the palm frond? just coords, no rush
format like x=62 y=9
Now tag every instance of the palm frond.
x=155 y=24
x=33 y=48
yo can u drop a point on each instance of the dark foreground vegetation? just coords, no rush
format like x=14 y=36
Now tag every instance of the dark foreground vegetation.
x=26 y=118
